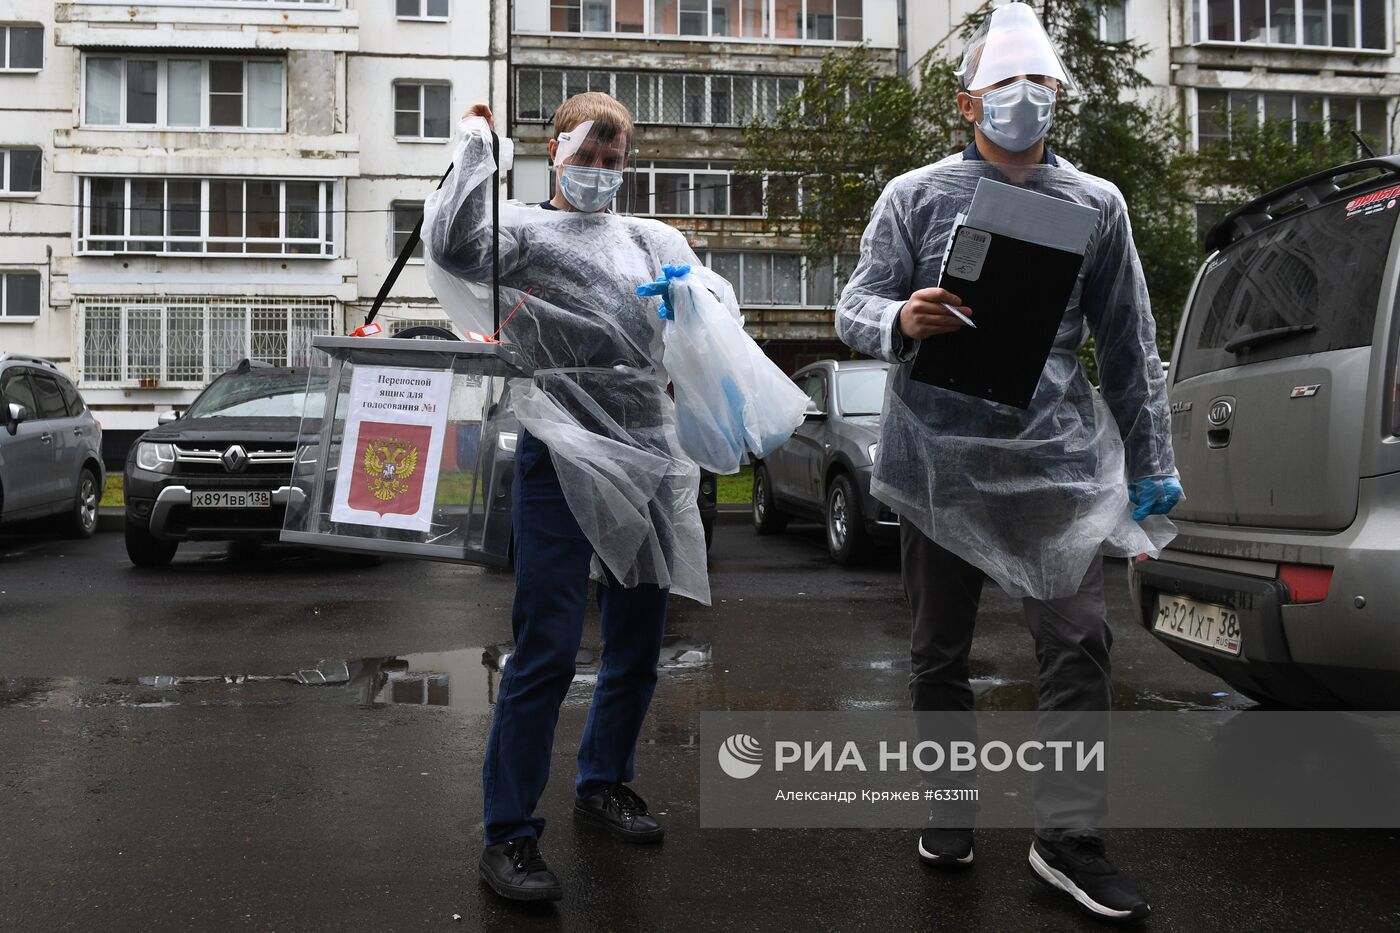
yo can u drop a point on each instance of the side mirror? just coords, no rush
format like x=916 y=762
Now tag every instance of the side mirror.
x=813 y=413
x=15 y=413
x=166 y=417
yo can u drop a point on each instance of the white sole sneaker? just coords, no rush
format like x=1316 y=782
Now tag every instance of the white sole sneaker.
x=942 y=862
x=1060 y=880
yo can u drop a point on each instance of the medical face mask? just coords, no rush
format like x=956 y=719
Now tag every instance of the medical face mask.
x=1017 y=116
x=589 y=189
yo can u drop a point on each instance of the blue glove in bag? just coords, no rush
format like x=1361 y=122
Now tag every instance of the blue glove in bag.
x=662 y=287
x=1156 y=495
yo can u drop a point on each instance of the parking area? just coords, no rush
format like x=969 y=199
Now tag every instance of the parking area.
x=280 y=739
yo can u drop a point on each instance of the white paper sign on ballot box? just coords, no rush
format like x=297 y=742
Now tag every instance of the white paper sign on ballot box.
x=395 y=427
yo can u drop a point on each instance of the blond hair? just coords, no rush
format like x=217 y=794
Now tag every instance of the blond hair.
x=610 y=117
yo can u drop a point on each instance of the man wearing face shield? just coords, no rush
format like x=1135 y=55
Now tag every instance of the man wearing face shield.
x=602 y=489
x=1028 y=498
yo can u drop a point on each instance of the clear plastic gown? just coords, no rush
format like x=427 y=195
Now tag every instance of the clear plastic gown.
x=598 y=397
x=1028 y=496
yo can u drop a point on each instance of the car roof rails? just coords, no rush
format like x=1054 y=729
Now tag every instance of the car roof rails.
x=25 y=358
x=1302 y=194
x=247 y=365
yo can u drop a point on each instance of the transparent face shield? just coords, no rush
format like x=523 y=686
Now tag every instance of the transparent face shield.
x=595 y=167
x=1010 y=43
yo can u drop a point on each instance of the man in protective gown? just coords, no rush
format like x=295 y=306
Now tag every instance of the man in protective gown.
x=602 y=487
x=1028 y=498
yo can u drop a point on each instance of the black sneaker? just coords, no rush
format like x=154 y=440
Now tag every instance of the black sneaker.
x=515 y=870
x=946 y=848
x=1077 y=865
x=619 y=810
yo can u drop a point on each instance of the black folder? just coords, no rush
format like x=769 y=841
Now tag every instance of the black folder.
x=1018 y=292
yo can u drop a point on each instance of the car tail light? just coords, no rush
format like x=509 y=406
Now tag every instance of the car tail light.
x=1306 y=584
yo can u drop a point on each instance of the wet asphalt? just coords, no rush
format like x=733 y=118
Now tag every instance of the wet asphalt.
x=286 y=740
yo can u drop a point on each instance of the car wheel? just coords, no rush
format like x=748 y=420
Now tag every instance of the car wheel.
x=82 y=520
x=767 y=519
x=145 y=549
x=845 y=523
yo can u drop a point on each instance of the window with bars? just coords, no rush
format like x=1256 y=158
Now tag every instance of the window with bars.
x=422 y=9
x=422 y=110
x=404 y=216
x=1218 y=112
x=184 y=93
x=682 y=189
x=19 y=294
x=20 y=171
x=1338 y=24
x=798 y=20
x=207 y=216
x=191 y=340
x=672 y=99
x=21 y=47
x=781 y=279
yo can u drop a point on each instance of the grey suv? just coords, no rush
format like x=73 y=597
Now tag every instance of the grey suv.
x=1285 y=398
x=50 y=448
x=823 y=471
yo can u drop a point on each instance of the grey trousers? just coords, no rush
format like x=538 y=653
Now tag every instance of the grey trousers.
x=1072 y=641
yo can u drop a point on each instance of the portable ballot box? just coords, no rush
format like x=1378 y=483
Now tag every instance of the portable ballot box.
x=401 y=450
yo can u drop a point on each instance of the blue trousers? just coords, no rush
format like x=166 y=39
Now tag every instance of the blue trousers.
x=552 y=558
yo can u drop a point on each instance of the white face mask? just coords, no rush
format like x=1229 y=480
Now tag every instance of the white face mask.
x=589 y=189
x=1017 y=116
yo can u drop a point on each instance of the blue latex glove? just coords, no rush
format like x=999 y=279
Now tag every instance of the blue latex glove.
x=662 y=287
x=1156 y=495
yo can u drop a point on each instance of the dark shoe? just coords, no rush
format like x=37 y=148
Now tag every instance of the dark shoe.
x=946 y=848
x=1077 y=865
x=515 y=870
x=621 y=812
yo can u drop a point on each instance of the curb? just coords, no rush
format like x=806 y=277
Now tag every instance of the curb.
x=111 y=518
x=733 y=514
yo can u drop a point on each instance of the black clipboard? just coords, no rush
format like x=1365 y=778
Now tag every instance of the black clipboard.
x=1018 y=292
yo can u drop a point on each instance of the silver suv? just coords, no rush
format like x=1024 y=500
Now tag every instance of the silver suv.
x=50 y=448
x=1285 y=398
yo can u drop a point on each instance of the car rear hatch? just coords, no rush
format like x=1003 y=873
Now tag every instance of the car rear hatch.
x=1270 y=374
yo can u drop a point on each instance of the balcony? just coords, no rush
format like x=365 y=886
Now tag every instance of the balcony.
x=312 y=25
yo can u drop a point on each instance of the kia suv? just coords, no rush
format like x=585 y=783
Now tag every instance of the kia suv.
x=1285 y=399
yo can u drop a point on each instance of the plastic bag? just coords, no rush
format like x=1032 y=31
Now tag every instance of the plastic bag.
x=730 y=398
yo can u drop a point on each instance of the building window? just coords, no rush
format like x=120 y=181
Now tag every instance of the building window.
x=19 y=294
x=191 y=340
x=1338 y=24
x=1219 y=112
x=684 y=189
x=406 y=215
x=1113 y=20
x=21 y=47
x=422 y=9
x=401 y=324
x=183 y=93
x=20 y=171
x=774 y=278
x=422 y=110
x=814 y=20
x=658 y=98
x=210 y=216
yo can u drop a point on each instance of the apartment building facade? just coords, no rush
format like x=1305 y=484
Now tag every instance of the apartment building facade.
x=189 y=182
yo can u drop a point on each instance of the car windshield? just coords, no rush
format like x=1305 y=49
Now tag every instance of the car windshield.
x=861 y=391
x=261 y=395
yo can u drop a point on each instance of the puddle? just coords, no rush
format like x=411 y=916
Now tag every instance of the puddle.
x=466 y=679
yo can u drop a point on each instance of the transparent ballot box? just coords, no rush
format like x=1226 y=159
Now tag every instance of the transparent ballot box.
x=402 y=452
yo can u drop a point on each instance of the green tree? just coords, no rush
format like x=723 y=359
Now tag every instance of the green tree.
x=854 y=127
x=1257 y=157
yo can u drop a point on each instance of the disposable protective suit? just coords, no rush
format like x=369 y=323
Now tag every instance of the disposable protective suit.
x=598 y=396
x=1029 y=497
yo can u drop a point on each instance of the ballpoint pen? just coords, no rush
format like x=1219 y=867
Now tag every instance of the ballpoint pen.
x=959 y=315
